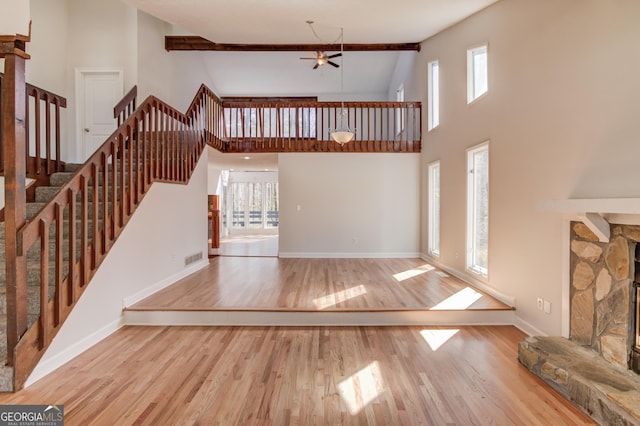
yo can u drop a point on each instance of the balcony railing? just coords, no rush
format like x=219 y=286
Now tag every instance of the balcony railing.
x=306 y=126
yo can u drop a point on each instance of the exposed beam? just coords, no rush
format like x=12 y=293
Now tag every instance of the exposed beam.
x=199 y=43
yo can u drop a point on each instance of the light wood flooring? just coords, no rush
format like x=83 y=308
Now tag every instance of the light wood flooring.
x=319 y=285
x=249 y=245
x=316 y=375
x=302 y=376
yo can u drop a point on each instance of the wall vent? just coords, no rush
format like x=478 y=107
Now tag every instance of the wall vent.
x=193 y=258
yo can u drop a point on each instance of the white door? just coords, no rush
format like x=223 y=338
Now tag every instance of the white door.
x=98 y=92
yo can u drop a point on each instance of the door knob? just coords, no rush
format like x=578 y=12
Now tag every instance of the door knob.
x=86 y=130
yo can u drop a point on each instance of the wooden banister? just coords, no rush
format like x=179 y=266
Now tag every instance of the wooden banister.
x=305 y=126
x=155 y=143
x=14 y=142
x=126 y=106
x=42 y=149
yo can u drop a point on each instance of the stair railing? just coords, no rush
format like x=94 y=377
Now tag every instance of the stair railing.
x=42 y=123
x=126 y=106
x=155 y=143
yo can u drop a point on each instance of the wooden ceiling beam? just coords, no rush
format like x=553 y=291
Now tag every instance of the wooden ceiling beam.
x=198 y=43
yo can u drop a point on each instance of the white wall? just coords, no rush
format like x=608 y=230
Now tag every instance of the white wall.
x=47 y=67
x=562 y=117
x=148 y=256
x=174 y=77
x=14 y=18
x=371 y=197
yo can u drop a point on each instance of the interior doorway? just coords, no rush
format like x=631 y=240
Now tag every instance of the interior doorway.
x=97 y=92
x=250 y=216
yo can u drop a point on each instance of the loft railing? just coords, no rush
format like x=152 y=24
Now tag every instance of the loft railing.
x=155 y=143
x=305 y=126
x=42 y=127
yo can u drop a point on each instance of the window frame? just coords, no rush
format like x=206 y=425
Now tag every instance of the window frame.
x=433 y=225
x=433 y=95
x=472 y=221
x=471 y=73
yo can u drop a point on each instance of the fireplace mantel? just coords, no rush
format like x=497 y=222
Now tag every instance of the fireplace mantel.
x=598 y=213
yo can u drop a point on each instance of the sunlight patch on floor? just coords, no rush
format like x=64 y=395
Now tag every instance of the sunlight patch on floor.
x=438 y=337
x=362 y=388
x=461 y=300
x=410 y=273
x=333 y=299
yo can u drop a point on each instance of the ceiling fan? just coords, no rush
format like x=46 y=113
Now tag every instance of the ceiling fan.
x=322 y=58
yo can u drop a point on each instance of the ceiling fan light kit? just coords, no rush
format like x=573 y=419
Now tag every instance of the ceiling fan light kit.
x=341 y=134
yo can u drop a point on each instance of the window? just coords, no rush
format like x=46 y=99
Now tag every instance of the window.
x=477 y=75
x=400 y=111
x=253 y=205
x=478 y=209
x=434 y=208
x=433 y=101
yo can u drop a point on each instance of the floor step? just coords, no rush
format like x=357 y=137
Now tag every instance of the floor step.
x=72 y=167
x=269 y=317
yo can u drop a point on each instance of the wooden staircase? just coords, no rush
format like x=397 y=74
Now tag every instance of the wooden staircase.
x=42 y=195
x=53 y=246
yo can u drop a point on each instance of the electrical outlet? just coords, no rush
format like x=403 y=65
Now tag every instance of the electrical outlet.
x=354 y=240
x=547 y=307
x=540 y=303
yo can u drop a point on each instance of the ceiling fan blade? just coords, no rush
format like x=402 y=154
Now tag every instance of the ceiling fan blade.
x=334 y=56
x=315 y=59
x=316 y=66
x=333 y=64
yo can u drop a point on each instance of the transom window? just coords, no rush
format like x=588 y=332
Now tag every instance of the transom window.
x=433 y=95
x=477 y=73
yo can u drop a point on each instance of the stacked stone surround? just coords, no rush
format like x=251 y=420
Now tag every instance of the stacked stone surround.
x=590 y=368
x=601 y=280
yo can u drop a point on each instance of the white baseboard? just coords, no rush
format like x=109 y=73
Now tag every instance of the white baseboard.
x=527 y=328
x=146 y=292
x=46 y=366
x=509 y=300
x=334 y=255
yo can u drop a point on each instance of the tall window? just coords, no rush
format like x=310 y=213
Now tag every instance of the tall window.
x=434 y=208
x=478 y=209
x=477 y=74
x=433 y=81
x=400 y=111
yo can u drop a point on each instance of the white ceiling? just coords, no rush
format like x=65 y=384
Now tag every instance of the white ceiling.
x=367 y=75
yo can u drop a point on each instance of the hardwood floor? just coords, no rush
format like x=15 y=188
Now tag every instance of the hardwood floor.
x=302 y=376
x=319 y=285
x=250 y=245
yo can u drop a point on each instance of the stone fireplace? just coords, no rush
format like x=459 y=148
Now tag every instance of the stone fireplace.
x=593 y=368
x=602 y=276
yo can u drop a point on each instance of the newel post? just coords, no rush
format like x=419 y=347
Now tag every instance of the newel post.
x=12 y=49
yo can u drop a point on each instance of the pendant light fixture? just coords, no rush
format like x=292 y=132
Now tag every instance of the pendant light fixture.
x=342 y=134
